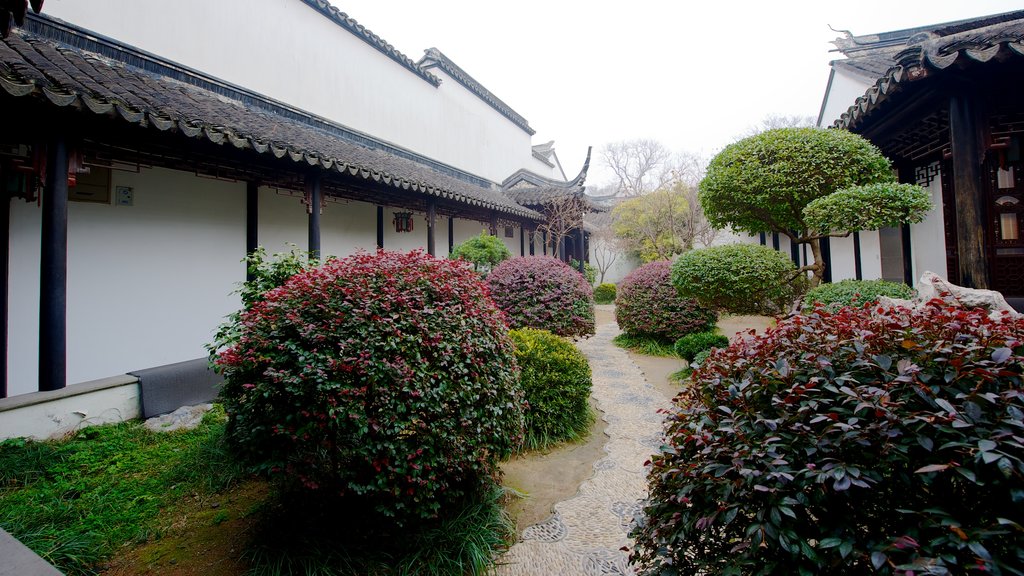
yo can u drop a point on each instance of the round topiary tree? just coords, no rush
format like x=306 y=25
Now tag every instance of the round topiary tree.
x=835 y=295
x=483 y=251
x=388 y=376
x=739 y=278
x=543 y=293
x=648 y=305
x=556 y=380
x=869 y=441
x=807 y=184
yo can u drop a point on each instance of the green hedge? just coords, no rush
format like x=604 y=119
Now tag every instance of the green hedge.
x=604 y=293
x=690 y=345
x=855 y=292
x=556 y=379
x=739 y=278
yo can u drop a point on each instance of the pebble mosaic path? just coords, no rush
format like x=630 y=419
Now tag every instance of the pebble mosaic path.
x=585 y=534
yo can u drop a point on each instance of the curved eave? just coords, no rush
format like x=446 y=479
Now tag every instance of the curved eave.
x=919 y=62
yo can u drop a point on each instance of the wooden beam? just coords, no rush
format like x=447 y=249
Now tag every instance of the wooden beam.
x=252 y=222
x=313 y=195
x=966 y=133
x=431 y=221
x=53 y=270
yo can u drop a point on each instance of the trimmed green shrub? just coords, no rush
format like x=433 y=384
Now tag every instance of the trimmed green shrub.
x=387 y=376
x=739 y=278
x=589 y=272
x=648 y=305
x=484 y=252
x=861 y=442
x=690 y=345
x=555 y=376
x=855 y=293
x=604 y=293
x=544 y=293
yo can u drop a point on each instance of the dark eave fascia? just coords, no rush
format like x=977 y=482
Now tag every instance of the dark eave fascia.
x=434 y=58
x=349 y=24
x=934 y=56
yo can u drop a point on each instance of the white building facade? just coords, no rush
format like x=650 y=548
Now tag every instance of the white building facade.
x=190 y=140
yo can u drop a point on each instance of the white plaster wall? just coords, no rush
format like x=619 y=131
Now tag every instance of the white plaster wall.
x=844 y=266
x=290 y=52
x=870 y=255
x=112 y=400
x=147 y=284
x=844 y=90
x=928 y=238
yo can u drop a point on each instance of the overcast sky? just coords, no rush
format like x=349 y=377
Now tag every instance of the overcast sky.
x=690 y=74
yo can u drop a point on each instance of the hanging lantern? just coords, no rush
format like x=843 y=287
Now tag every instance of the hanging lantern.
x=403 y=221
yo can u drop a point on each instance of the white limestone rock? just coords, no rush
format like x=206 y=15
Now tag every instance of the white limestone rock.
x=184 y=418
x=932 y=286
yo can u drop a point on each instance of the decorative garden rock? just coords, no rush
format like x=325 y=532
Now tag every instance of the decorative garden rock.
x=932 y=286
x=184 y=418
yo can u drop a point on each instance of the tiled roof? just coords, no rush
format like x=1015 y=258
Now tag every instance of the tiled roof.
x=931 y=50
x=531 y=189
x=433 y=57
x=200 y=107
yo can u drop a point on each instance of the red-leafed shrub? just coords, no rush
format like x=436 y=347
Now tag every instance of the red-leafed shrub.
x=868 y=441
x=648 y=304
x=543 y=293
x=387 y=376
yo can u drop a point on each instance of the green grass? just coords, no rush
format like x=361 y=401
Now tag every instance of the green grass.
x=645 y=345
x=79 y=502
x=75 y=502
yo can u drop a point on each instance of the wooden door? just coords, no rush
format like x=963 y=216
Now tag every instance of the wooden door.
x=1005 y=234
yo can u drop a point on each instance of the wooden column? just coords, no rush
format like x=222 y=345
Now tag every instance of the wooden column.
x=826 y=257
x=451 y=234
x=380 y=227
x=494 y=224
x=431 y=221
x=53 y=274
x=5 y=251
x=858 y=268
x=522 y=240
x=764 y=239
x=544 y=239
x=533 y=232
x=966 y=134
x=579 y=249
x=252 y=223
x=794 y=252
x=314 y=195
x=775 y=240
x=908 y=255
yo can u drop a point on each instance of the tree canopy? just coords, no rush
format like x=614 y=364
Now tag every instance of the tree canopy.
x=807 y=183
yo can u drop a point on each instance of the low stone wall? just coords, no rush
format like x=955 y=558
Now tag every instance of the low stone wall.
x=45 y=415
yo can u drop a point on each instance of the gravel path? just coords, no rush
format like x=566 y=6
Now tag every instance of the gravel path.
x=586 y=532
